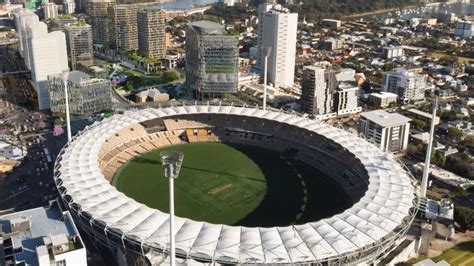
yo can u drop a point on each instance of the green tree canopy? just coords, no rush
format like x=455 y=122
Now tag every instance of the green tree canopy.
x=455 y=133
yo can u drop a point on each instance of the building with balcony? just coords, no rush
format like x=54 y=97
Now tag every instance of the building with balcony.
x=123 y=27
x=328 y=93
x=99 y=19
x=409 y=86
x=389 y=131
x=152 y=33
x=79 y=43
x=382 y=99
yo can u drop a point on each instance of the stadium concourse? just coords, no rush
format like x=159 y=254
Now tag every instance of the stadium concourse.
x=383 y=194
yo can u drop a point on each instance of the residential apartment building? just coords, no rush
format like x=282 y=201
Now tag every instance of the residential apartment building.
x=86 y=94
x=345 y=99
x=331 y=44
x=392 y=52
x=383 y=99
x=389 y=131
x=41 y=236
x=79 y=43
x=409 y=86
x=315 y=96
x=98 y=11
x=262 y=9
x=423 y=116
x=329 y=93
x=212 y=59
x=152 y=33
x=277 y=30
x=123 y=27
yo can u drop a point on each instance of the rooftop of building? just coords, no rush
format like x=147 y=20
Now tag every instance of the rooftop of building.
x=331 y=20
x=347 y=86
x=386 y=119
x=79 y=23
x=45 y=223
x=207 y=27
x=384 y=94
x=421 y=113
x=423 y=136
x=393 y=48
x=314 y=68
x=78 y=77
x=400 y=71
x=151 y=92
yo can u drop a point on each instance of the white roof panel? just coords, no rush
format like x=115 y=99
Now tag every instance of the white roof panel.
x=383 y=207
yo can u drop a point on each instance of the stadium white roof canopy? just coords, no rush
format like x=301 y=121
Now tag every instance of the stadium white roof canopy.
x=382 y=209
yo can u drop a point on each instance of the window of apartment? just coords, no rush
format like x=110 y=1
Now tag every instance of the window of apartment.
x=61 y=262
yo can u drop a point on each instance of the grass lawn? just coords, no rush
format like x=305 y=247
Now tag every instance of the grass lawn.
x=462 y=255
x=461 y=59
x=234 y=185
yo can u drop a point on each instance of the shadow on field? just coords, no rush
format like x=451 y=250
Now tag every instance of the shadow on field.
x=284 y=202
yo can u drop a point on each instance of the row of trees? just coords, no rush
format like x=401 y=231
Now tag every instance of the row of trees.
x=136 y=82
x=464 y=216
x=315 y=10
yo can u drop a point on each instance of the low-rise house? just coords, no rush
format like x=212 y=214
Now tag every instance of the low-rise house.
x=151 y=95
x=462 y=111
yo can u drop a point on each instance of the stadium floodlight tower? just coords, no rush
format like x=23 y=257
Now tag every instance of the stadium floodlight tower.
x=267 y=51
x=426 y=169
x=171 y=162
x=68 y=118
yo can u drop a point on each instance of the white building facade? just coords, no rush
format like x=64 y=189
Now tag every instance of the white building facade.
x=409 y=86
x=50 y=11
x=48 y=56
x=44 y=53
x=23 y=18
x=392 y=52
x=315 y=99
x=389 y=131
x=69 y=6
x=277 y=29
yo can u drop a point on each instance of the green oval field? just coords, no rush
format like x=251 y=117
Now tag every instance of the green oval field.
x=235 y=185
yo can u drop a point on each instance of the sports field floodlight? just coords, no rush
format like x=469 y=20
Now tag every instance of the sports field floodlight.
x=171 y=162
x=426 y=168
x=68 y=118
x=267 y=51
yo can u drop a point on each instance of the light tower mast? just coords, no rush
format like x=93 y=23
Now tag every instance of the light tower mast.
x=426 y=169
x=171 y=162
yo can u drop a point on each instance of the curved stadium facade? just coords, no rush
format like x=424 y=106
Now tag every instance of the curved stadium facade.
x=382 y=193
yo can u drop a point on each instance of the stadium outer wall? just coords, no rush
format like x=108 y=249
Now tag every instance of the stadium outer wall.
x=130 y=251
